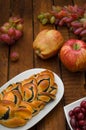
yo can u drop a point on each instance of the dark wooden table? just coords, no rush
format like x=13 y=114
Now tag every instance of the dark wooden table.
x=74 y=83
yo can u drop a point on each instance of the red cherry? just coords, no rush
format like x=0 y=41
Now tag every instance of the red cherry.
x=73 y=122
x=84 y=127
x=83 y=104
x=71 y=113
x=83 y=110
x=77 y=109
x=81 y=123
x=80 y=116
x=77 y=129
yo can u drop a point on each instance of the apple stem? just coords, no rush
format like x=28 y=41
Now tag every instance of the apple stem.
x=76 y=46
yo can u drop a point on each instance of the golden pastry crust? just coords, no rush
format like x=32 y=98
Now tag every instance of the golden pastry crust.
x=19 y=102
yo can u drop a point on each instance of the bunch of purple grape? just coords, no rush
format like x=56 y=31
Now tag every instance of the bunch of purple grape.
x=73 y=17
x=78 y=117
x=11 y=30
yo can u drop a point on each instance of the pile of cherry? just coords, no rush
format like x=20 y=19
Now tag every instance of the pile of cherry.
x=73 y=17
x=78 y=117
x=12 y=30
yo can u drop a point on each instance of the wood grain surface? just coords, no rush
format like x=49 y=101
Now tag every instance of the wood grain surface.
x=74 y=83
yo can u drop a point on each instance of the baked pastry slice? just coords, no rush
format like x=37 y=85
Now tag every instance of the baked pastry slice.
x=20 y=101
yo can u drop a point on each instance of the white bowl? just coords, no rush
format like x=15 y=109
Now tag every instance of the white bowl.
x=71 y=106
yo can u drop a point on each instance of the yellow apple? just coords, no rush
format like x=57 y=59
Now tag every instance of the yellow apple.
x=47 y=43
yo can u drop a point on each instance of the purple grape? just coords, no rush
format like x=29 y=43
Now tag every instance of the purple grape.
x=6 y=38
x=76 y=24
x=84 y=24
x=77 y=110
x=84 y=127
x=83 y=32
x=18 y=34
x=73 y=122
x=14 y=56
x=11 y=32
x=81 y=122
x=71 y=113
x=78 y=31
x=56 y=22
x=83 y=110
x=80 y=116
x=83 y=104
x=64 y=19
x=77 y=129
x=61 y=22
x=68 y=20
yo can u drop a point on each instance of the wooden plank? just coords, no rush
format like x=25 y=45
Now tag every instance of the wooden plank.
x=63 y=2
x=74 y=82
x=80 y=2
x=38 y=7
x=23 y=9
x=4 y=49
x=65 y=32
x=52 y=120
x=74 y=85
x=4 y=11
x=24 y=45
x=17 y=7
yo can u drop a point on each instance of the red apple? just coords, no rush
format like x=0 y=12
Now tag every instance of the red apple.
x=73 y=55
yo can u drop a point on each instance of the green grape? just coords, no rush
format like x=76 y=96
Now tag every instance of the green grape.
x=84 y=15
x=4 y=29
x=44 y=21
x=52 y=20
x=10 y=20
x=19 y=26
x=83 y=20
x=47 y=15
x=41 y=16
